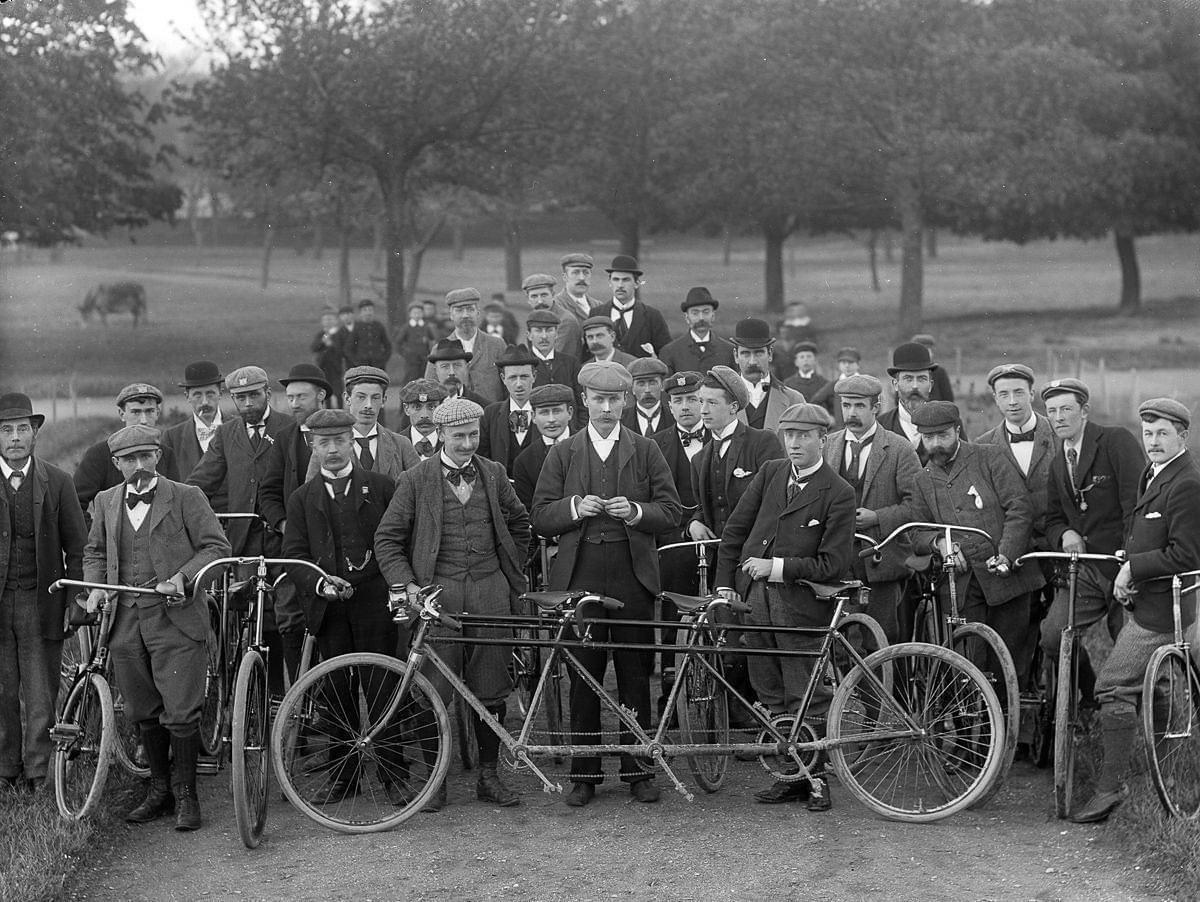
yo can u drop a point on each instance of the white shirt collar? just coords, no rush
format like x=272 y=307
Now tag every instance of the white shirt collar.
x=153 y=485
x=550 y=442
x=622 y=310
x=540 y=356
x=696 y=338
x=451 y=465
x=597 y=439
x=1158 y=468
x=851 y=438
x=802 y=475
x=200 y=424
x=726 y=432
x=345 y=471
x=374 y=433
x=651 y=413
x=8 y=471
x=1028 y=426
x=514 y=407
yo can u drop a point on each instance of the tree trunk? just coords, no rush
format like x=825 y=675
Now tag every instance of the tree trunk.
x=889 y=246
x=215 y=202
x=318 y=238
x=512 y=253
x=1131 y=276
x=726 y=244
x=458 y=246
x=395 y=239
x=377 y=230
x=775 y=235
x=931 y=243
x=267 y=247
x=912 y=272
x=873 y=258
x=344 y=263
x=629 y=231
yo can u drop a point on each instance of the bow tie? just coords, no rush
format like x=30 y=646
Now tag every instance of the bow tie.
x=338 y=484
x=424 y=447
x=1015 y=437
x=133 y=499
x=686 y=438
x=518 y=420
x=466 y=472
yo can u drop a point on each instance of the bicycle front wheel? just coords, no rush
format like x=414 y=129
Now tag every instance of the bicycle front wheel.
x=83 y=747
x=352 y=752
x=703 y=710
x=1069 y=731
x=1000 y=671
x=250 y=771
x=127 y=742
x=1171 y=720
x=927 y=747
x=212 y=714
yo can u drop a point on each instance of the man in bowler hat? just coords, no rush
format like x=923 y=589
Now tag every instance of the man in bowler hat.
x=202 y=384
x=640 y=329
x=766 y=398
x=699 y=349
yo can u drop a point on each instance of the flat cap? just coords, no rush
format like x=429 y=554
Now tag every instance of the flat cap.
x=537 y=280
x=1167 y=409
x=307 y=372
x=730 y=380
x=449 y=349
x=810 y=346
x=910 y=357
x=456 y=411
x=1068 y=386
x=849 y=354
x=345 y=308
x=329 y=421
x=683 y=383
x=699 y=297
x=246 y=378
x=643 y=367
x=576 y=260
x=1010 y=371
x=551 y=395
x=357 y=374
x=462 y=296
x=592 y=321
x=138 y=390
x=365 y=302
x=422 y=391
x=805 y=416
x=605 y=375
x=935 y=416
x=134 y=438
x=542 y=318
x=859 y=385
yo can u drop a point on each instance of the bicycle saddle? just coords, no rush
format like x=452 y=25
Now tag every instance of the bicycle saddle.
x=688 y=604
x=556 y=601
x=829 y=590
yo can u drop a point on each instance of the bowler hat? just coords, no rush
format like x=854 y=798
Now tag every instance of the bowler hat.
x=699 y=297
x=203 y=372
x=515 y=355
x=1009 y=371
x=1167 y=409
x=910 y=357
x=1068 y=386
x=624 y=263
x=307 y=372
x=16 y=406
x=449 y=349
x=936 y=416
x=753 y=333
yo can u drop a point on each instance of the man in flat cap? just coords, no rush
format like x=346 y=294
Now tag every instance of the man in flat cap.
x=1163 y=539
x=795 y=521
x=43 y=538
x=940 y=388
x=331 y=522
x=507 y=428
x=414 y=339
x=553 y=412
x=912 y=381
x=368 y=344
x=153 y=531
x=456 y=521
x=553 y=365
x=848 y=363
x=573 y=303
x=641 y=330
x=647 y=415
x=484 y=349
x=328 y=347
x=606 y=493
x=419 y=399
x=978 y=486
x=882 y=469
x=699 y=349
x=599 y=340
x=202 y=384
x=1092 y=489
x=375 y=447
x=806 y=379
x=766 y=398
x=139 y=404
x=451 y=370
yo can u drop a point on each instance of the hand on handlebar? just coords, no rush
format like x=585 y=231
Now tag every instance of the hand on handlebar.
x=95 y=598
x=172 y=586
x=1123 y=590
x=1072 y=542
x=728 y=594
x=335 y=587
x=999 y=565
x=865 y=519
x=698 y=532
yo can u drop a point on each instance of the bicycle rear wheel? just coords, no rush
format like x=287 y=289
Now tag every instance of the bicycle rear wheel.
x=927 y=748
x=212 y=714
x=1171 y=720
x=250 y=771
x=703 y=710
x=1000 y=671
x=343 y=736
x=83 y=747
x=1069 y=732
x=127 y=741
x=76 y=651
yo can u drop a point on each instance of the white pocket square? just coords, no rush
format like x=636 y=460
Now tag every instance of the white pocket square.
x=813 y=523
x=739 y=473
x=1154 y=515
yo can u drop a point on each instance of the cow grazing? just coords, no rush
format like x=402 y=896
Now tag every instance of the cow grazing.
x=115 y=297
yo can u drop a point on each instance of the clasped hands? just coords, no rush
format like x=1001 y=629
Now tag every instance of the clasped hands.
x=618 y=506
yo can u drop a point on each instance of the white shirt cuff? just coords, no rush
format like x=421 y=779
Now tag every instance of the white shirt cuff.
x=776 y=574
x=637 y=514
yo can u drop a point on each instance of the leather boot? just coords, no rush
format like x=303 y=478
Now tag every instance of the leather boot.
x=186 y=750
x=1119 y=734
x=489 y=787
x=158 y=801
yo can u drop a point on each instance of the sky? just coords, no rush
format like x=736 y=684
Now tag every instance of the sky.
x=161 y=20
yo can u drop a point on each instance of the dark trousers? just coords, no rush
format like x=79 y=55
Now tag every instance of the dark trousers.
x=607 y=569
x=1010 y=620
x=781 y=681
x=29 y=677
x=160 y=670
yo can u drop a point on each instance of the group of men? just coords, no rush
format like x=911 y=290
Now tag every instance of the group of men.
x=608 y=439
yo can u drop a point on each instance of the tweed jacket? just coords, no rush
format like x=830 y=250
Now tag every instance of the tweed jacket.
x=749 y=451
x=642 y=477
x=779 y=399
x=410 y=533
x=685 y=354
x=394 y=454
x=59 y=535
x=570 y=323
x=484 y=377
x=497 y=441
x=646 y=326
x=889 y=485
x=184 y=536
x=1037 y=480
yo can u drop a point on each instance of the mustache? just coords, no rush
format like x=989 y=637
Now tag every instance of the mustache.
x=139 y=475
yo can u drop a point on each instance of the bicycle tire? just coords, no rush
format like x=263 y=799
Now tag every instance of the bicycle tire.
x=81 y=761
x=1171 y=723
x=1067 y=728
x=702 y=708
x=250 y=765
x=216 y=692
x=1007 y=689
x=865 y=623
x=1041 y=742
x=414 y=751
x=127 y=743
x=953 y=759
x=77 y=651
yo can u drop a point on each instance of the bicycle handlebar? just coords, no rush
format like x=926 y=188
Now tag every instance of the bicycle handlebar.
x=59 y=584
x=1117 y=558
x=696 y=543
x=423 y=605
x=263 y=562
x=948 y=528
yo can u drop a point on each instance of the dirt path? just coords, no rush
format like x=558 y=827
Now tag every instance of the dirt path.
x=722 y=846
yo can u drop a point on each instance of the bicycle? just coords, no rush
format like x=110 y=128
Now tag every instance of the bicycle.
x=246 y=730
x=1171 y=715
x=85 y=735
x=950 y=629
x=915 y=731
x=1069 y=728
x=527 y=662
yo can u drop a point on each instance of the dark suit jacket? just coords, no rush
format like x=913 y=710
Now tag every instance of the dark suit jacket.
x=749 y=451
x=629 y=419
x=309 y=537
x=60 y=534
x=96 y=472
x=526 y=470
x=286 y=471
x=570 y=325
x=1038 y=478
x=646 y=325
x=813 y=534
x=232 y=465
x=184 y=536
x=394 y=454
x=562 y=369
x=410 y=533
x=685 y=354
x=368 y=345
x=1110 y=465
x=496 y=439
x=890 y=420
x=181 y=439
x=1000 y=506
x=642 y=477
x=1163 y=539
x=484 y=377
x=329 y=355
x=807 y=386
x=677 y=460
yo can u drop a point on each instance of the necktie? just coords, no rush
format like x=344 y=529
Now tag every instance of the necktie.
x=338 y=484
x=793 y=488
x=619 y=322
x=364 y=452
x=16 y=479
x=1072 y=463
x=457 y=476
x=647 y=422
x=856 y=450
x=518 y=420
x=256 y=438
x=723 y=445
x=424 y=447
x=1016 y=437
x=133 y=499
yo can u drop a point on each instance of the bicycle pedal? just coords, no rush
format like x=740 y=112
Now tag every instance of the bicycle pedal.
x=209 y=768
x=65 y=733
